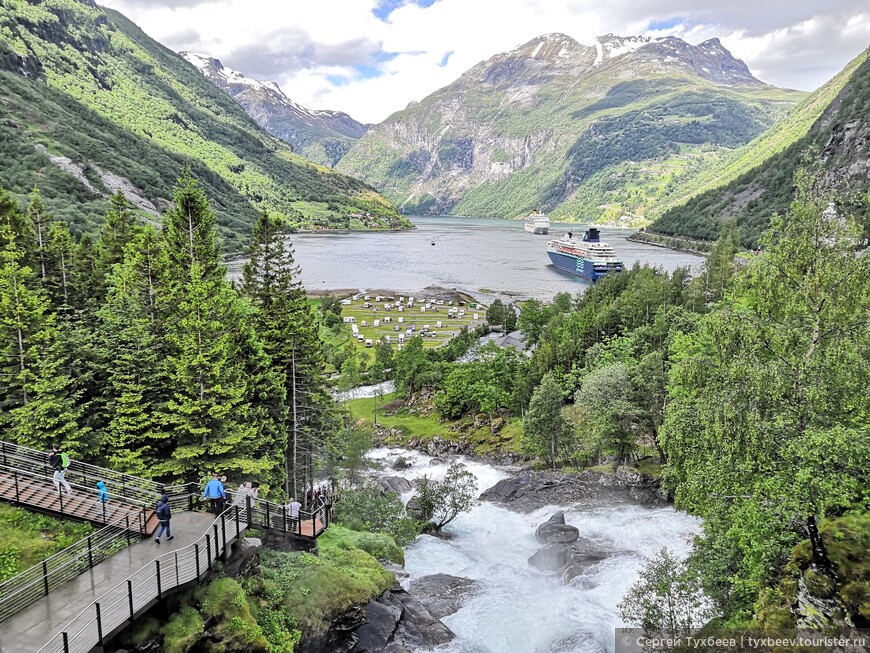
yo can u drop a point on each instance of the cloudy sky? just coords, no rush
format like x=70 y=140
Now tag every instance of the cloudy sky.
x=371 y=57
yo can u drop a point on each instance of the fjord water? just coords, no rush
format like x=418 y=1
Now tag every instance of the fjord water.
x=471 y=255
x=520 y=609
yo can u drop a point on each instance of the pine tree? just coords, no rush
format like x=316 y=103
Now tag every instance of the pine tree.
x=136 y=438
x=52 y=413
x=60 y=280
x=40 y=223
x=12 y=219
x=208 y=410
x=290 y=337
x=116 y=233
x=26 y=326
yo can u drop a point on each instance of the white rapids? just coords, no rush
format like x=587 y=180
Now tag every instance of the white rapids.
x=521 y=609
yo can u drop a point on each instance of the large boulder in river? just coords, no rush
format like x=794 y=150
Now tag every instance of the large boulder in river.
x=414 y=509
x=402 y=463
x=399 y=623
x=551 y=558
x=507 y=489
x=556 y=531
x=442 y=594
x=396 y=484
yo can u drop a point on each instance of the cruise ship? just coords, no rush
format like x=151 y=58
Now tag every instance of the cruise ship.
x=537 y=223
x=589 y=258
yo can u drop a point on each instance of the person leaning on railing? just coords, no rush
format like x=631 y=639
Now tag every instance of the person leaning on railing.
x=214 y=492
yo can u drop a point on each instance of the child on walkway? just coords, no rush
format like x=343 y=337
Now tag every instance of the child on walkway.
x=103 y=500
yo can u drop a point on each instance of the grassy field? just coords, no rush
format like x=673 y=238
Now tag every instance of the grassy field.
x=413 y=426
x=417 y=316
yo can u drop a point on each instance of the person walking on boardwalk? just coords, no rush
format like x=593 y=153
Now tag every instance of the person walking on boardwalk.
x=164 y=514
x=59 y=481
x=214 y=492
x=293 y=509
x=54 y=457
x=103 y=500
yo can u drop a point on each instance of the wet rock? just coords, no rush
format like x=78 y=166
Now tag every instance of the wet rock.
x=556 y=531
x=631 y=476
x=442 y=594
x=340 y=637
x=245 y=557
x=551 y=558
x=397 y=569
x=397 y=484
x=402 y=463
x=396 y=622
x=414 y=510
x=382 y=619
x=507 y=489
x=579 y=560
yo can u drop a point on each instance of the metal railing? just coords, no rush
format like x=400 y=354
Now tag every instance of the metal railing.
x=139 y=490
x=260 y=513
x=38 y=581
x=34 y=490
x=120 y=606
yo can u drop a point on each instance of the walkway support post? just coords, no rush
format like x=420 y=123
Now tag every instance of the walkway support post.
x=45 y=576
x=196 y=551
x=130 y=599
x=99 y=625
x=159 y=585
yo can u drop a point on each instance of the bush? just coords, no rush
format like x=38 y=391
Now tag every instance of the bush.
x=370 y=509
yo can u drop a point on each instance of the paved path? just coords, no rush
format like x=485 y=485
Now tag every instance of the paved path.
x=32 y=628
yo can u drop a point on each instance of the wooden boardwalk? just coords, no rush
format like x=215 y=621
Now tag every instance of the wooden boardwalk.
x=36 y=493
x=71 y=607
x=78 y=599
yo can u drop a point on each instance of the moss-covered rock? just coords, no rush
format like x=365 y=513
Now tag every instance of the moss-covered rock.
x=182 y=631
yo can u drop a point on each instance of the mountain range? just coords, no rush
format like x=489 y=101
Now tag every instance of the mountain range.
x=605 y=132
x=322 y=136
x=89 y=104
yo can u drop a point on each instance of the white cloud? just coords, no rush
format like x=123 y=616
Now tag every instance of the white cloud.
x=323 y=53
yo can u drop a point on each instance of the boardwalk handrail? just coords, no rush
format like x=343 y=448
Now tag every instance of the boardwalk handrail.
x=132 y=487
x=115 y=501
x=120 y=605
x=261 y=513
x=30 y=585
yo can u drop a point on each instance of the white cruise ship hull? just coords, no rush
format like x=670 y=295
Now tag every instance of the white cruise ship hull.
x=538 y=227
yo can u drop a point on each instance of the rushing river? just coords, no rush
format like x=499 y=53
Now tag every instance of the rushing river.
x=520 y=609
x=483 y=258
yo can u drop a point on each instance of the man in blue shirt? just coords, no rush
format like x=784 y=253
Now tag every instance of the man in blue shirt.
x=214 y=492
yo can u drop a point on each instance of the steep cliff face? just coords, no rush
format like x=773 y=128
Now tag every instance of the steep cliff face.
x=583 y=131
x=322 y=136
x=838 y=143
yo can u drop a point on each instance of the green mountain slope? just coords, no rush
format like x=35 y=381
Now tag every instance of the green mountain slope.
x=760 y=177
x=588 y=132
x=89 y=103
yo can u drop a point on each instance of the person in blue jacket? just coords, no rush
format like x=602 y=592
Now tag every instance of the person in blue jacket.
x=164 y=514
x=103 y=500
x=214 y=492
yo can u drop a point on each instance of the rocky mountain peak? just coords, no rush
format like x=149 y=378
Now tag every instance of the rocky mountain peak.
x=709 y=60
x=548 y=48
x=311 y=132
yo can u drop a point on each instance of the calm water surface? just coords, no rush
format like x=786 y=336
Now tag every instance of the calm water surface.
x=477 y=256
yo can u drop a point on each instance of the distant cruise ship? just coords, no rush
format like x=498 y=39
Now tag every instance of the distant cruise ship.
x=537 y=223
x=589 y=258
